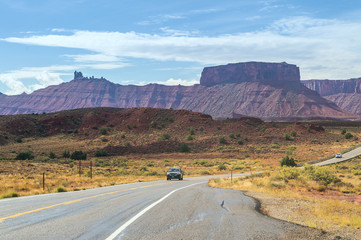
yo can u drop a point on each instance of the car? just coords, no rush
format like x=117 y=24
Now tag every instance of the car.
x=175 y=173
x=338 y=155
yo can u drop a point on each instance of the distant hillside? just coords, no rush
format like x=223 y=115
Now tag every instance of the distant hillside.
x=270 y=91
x=345 y=93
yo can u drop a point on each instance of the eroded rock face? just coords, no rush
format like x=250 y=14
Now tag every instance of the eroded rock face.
x=331 y=87
x=266 y=73
x=272 y=93
x=345 y=93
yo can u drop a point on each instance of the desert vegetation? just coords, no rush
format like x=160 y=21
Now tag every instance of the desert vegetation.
x=323 y=197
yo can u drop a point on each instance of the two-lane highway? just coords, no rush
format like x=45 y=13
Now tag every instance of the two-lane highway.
x=186 y=209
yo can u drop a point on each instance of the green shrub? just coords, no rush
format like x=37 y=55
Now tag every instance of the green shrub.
x=164 y=136
x=238 y=135
x=143 y=169
x=25 y=155
x=101 y=153
x=153 y=124
x=222 y=140
x=293 y=133
x=105 y=140
x=321 y=175
x=240 y=142
x=191 y=131
x=222 y=167
x=103 y=130
x=52 y=155
x=343 y=131
x=201 y=129
x=184 y=148
x=219 y=128
x=348 y=135
x=128 y=126
x=66 y=154
x=10 y=195
x=189 y=138
x=287 y=137
x=205 y=172
x=290 y=162
x=19 y=140
x=127 y=144
x=61 y=189
x=122 y=136
x=287 y=174
x=231 y=135
x=78 y=155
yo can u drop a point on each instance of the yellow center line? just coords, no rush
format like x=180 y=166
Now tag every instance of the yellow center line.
x=75 y=201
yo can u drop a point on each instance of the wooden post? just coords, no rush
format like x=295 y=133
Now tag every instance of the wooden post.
x=91 y=169
x=79 y=167
x=43 y=181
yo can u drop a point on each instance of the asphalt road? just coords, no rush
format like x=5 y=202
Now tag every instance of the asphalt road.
x=346 y=156
x=186 y=209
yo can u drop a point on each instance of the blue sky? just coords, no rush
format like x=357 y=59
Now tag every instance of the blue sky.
x=42 y=42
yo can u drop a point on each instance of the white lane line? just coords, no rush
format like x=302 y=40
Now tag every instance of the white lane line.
x=130 y=221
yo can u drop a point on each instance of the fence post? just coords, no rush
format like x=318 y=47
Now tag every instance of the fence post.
x=79 y=167
x=91 y=169
x=43 y=181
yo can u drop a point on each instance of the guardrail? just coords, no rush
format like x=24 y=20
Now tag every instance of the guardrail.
x=332 y=156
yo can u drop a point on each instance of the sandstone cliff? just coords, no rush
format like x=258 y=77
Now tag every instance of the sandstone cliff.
x=271 y=91
x=345 y=93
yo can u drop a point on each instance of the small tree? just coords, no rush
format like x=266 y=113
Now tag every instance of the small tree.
x=25 y=155
x=101 y=153
x=222 y=167
x=348 y=135
x=184 y=147
x=191 y=131
x=78 y=155
x=290 y=162
x=287 y=137
x=52 y=155
x=222 y=140
x=164 y=136
x=66 y=154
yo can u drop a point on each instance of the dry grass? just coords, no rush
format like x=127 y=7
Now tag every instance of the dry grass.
x=326 y=197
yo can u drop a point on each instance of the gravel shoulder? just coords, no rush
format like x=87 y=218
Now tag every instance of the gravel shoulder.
x=292 y=210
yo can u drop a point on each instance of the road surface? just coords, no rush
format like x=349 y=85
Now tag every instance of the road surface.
x=346 y=156
x=186 y=209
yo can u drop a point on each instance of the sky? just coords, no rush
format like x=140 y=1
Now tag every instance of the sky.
x=42 y=42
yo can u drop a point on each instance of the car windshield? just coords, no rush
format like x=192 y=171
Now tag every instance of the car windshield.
x=174 y=170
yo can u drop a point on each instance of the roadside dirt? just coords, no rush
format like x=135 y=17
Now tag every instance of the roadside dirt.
x=289 y=210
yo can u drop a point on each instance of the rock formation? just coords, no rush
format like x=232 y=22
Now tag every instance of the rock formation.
x=270 y=91
x=345 y=93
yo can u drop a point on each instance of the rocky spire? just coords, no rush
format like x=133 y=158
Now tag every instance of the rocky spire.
x=78 y=75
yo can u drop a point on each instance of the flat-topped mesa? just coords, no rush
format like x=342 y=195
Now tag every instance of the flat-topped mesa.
x=267 y=73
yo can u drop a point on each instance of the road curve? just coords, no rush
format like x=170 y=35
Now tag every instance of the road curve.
x=186 y=209
x=346 y=156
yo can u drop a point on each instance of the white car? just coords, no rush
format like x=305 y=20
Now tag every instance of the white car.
x=338 y=155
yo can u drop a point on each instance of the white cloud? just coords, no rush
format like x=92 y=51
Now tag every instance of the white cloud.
x=172 y=82
x=14 y=80
x=93 y=58
x=45 y=76
x=331 y=45
x=169 y=82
